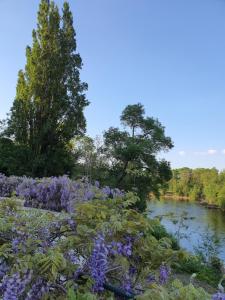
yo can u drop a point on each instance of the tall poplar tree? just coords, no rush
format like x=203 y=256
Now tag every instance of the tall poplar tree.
x=48 y=108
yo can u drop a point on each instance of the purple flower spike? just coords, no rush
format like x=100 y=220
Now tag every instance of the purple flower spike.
x=72 y=257
x=164 y=273
x=38 y=290
x=97 y=184
x=120 y=248
x=98 y=263
x=106 y=191
x=4 y=268
x=14 y=287
x=218 y=296
x=127 y=283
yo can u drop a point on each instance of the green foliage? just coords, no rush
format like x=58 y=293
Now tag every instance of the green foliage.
x=49 y=237
x=48 y=108
x=51 y=264
x=91 y=161
x=194 y=264
x=71 y=295
x=133 y=154
x=205 y=185
x=155 y=293
x=176 y=292
x=190 y=264
x=159 y=232
x=209 y=275
x=188 y=292
x=221 y=197
x=14 y=158
x=10 y=205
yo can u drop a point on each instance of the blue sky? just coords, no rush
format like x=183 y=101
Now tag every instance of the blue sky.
x=168 y=55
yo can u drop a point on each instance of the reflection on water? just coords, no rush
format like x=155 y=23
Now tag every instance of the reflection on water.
x=204 y=220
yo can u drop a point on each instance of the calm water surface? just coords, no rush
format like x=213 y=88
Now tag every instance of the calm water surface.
x=204 y=220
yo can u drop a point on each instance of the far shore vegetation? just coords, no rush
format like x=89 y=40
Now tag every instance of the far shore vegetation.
x=205 y=186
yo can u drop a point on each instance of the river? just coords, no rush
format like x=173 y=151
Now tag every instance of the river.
x=200 y=222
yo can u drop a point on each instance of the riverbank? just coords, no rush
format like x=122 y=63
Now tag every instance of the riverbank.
x=175 y=197
x=203 y=202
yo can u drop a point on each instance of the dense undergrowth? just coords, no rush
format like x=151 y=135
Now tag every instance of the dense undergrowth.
x=84 y=247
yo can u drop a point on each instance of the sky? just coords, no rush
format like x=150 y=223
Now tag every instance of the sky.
x=167 y=54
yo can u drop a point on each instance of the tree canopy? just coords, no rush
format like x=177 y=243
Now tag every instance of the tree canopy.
x=133 y=153
x=48 y=108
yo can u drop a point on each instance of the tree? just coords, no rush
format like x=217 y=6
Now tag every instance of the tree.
x=185 y=181
x=91 y=161
x=221 y=197
x=14 y=158
x=133 y=153
x=84 y=150
x=48 y=109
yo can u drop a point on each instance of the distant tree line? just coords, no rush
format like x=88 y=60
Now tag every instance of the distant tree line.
x=199 y=185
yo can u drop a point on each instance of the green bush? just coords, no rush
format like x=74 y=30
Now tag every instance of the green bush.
x=176 y=291
x=194 y=264
x=159 y=232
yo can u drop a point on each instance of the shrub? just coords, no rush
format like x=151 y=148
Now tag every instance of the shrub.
x=102 y=248
x=8 y=185
x=194 y=264
x=61 y=193
x=159 y=231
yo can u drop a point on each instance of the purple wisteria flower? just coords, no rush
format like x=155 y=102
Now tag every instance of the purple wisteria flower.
x=44 y=233
x=98 y=263
x=19 y=242
x=4 y=268
x=37 y=290
x=56 y=193
x=97 y=184
x=15 y=245
x=71 y=223
x=164 y=272
x=116 y=193
x=77 y=273
x=106 y=191
x=14 y=286
x=126 y=283
x=127 y=248
x=89 y=195
x=8 y=185
x=71 y=255
x=218 y=296
x=124 y=249
x=132 y=271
